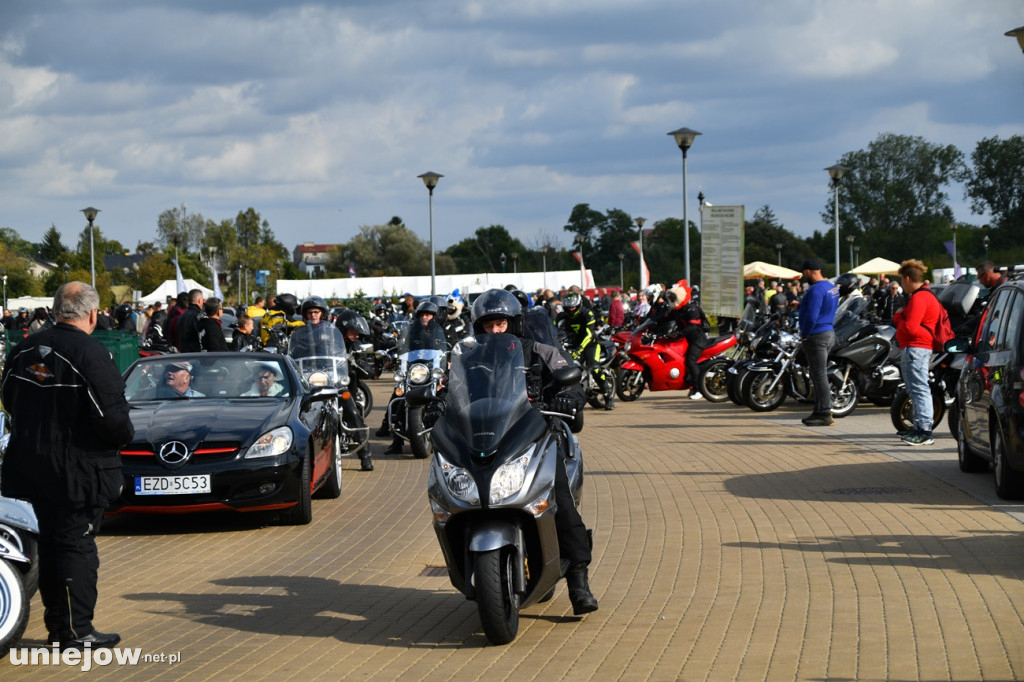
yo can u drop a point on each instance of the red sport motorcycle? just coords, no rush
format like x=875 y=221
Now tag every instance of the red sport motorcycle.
x=658 y=363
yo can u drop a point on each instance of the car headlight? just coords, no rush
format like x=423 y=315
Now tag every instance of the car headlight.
x=319 y=379
x=271 y=444
x=458 y=481
x=509 y=478
x=419 y=374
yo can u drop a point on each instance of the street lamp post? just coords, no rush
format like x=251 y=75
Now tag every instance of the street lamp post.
x=65 y=267
x=849 y=240
x=984 y=241
x=430 y=180
x=778 y=252
x=856 y=255
x=90 y=215
x=515 y=261
x=502 y=259
x=544 y=263
x=836 y=172
x=684 y=139
x=1017 y=33
x=640 y=230
x=621 y=281
x=583 y=268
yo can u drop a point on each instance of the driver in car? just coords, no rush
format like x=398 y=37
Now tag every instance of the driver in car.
x=265 y=383
x=178 y=382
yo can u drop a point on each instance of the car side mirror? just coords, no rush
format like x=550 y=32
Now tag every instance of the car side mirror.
x=959 y=344
x=319 y=394
x=566 y=376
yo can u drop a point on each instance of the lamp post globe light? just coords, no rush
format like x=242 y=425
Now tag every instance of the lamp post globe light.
x=836 y=173
x=640 y=242
x=849 y=240
x=90 y=215
x=430 y=179
x=502 y=259
x=1017 y=33
x=985 y=241
x=684 y=138
x=778 y=252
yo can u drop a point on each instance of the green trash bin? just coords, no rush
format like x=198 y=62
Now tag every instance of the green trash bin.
x=123 y=346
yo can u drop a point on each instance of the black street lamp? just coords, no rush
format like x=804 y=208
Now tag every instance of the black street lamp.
x=502 y=259
x=430 y=180
x=90 y=215
x=684 y=139
x=836 y=173
x=778 y=252
x=1017 y=33
x=849 y=240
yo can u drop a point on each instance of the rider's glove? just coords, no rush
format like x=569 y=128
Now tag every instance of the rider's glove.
x=576 y=353
x=432 y=412
x=565 y=405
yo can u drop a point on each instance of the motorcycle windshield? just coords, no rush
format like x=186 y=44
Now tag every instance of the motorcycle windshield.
x=422 y=342
x=316 y=340
x=747 y=318
x=486 y=390
x=539 y=324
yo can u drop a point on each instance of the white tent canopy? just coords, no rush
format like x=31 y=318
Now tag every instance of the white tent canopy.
x=420 y=285
x=170 y=288
x=877 y=266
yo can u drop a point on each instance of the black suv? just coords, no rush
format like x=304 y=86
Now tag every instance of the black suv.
x=990 y=393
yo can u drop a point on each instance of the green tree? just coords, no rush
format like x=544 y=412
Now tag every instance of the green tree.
x=178 y=223
x=665 y=254
x=893 y=197
x=763 y=232
x=995 y=184
x=482 y=252
x=388 y=250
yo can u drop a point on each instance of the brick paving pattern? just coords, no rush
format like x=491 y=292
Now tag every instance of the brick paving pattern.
x=727 y=546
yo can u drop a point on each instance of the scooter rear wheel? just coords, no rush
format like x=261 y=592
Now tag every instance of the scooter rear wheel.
x=496 y=601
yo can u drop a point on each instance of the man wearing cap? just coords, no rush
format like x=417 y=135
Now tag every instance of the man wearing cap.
x=69 y=418
x=817 y=314
x=265 y=384
x=178 y=382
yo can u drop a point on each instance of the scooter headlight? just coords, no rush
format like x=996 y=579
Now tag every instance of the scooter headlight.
x=509 y=478
x=419 y=374
x=458 y=481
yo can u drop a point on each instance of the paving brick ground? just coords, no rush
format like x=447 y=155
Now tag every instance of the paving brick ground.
x=728 y=546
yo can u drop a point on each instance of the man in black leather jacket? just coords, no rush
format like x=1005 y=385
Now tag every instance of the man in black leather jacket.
x=68 y=420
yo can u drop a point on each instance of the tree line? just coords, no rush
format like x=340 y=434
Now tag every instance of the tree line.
x=893 y=200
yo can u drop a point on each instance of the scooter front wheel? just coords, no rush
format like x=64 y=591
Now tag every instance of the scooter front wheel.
x=14 y=607
x=496 y=600
x=629 y=384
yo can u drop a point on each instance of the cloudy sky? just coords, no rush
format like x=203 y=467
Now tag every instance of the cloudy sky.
x=321 y=115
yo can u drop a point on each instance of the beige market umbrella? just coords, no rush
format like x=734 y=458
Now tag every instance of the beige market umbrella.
x=761 y=269
x=877 y=266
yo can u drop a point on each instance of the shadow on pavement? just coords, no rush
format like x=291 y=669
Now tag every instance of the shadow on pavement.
x=318 y=607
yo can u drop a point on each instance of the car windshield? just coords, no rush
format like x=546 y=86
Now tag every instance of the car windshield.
x=486 y=389
x=173 y=377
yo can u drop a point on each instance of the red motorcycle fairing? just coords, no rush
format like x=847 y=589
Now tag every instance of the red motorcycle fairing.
x=663 y=361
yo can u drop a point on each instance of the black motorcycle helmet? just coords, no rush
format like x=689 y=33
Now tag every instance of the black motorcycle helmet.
x=572 y=303
x=847 y=282
x=521 y=296
x=122 y=313
x=350 y=319
x=286 y=303
x=496 y=303
x=427 y=307
x=314 y=302
x=380 y=310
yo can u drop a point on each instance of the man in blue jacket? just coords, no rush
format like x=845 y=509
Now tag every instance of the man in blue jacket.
x=817 y=314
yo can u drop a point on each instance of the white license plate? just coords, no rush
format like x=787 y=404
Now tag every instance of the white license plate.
x=172 y=485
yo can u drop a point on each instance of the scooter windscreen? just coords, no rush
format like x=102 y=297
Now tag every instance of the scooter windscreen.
x=422 y=341
x=486 y=391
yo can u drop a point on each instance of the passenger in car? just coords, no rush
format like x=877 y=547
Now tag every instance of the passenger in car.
x=265 y=382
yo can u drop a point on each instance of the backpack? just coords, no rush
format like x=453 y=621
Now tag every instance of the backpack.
x=943 y=331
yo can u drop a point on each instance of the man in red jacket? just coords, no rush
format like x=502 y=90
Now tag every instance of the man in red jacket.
x=915 y=328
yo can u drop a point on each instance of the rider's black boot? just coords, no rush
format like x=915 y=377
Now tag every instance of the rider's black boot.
x=583 y=600
x=395 y=448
